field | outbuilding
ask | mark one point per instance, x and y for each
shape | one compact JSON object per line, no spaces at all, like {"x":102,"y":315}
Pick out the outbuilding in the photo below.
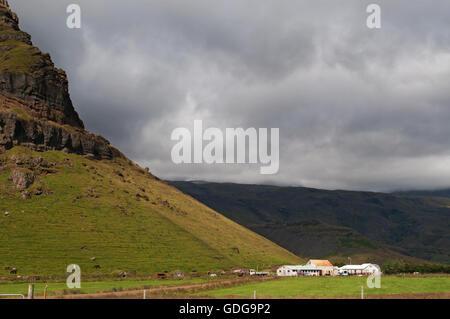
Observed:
{"x":359,"y":270}
{"x":325,"y":266}
{"x":295,"y":271}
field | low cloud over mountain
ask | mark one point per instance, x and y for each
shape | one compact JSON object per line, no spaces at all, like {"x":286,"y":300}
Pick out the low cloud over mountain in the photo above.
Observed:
{"x":357,"y":108}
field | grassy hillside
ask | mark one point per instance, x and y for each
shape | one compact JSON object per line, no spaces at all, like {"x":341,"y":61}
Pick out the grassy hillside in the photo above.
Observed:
{"x":118,"y":213}
{"x":335,"y":224}
{"x":107,"y":216}
{"x":16,"y":56}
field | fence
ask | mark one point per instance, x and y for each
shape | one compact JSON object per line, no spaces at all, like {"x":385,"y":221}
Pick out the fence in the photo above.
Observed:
{"x":30,"y":293}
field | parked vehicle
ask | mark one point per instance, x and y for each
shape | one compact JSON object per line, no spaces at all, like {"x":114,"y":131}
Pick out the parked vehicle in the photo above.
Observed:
{"x":253,"y":272}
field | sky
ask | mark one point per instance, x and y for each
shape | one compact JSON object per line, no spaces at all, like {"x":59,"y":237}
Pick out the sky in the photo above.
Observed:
{"x":356,"y":108}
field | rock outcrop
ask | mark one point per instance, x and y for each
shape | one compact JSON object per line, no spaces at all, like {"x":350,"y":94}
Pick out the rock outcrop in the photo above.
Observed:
{"x":29,"y":74}
{"x":22,"y":179}
{"x":42,"y":135}
{"x":35,"y":106}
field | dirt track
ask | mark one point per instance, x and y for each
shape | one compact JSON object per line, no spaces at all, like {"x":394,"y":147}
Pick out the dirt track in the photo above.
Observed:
{"x":160,"y":292}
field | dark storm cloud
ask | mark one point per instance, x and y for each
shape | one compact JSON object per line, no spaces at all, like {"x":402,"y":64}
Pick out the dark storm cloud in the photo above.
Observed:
{"x":356,"y":108}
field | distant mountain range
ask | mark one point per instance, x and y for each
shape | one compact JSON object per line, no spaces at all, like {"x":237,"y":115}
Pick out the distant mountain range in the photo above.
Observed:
{"x":434,"y":193}
{"x":365,"y":226}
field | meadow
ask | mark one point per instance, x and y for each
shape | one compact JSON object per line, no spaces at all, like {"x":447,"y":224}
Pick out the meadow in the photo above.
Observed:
{"x":323,"y":287}
{"x":59,"y":288}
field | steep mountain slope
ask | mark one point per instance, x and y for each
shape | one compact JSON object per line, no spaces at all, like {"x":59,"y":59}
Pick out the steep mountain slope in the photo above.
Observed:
{"x":67,"y":196}
{"x":312,"y":222}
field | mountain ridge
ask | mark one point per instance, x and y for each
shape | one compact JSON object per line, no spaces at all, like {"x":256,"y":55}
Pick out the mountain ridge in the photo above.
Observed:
{"x":443,"y":192}
{"x":35,"y":105}
{"x":29,"y":74}
{"x":296,"y":218}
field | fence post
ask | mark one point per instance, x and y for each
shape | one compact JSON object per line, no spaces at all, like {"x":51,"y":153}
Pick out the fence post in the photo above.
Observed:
{"x":145,"y":294}
{"x":30,"y":291}
{"x":362,"y":292}
{"x":254,"y":294}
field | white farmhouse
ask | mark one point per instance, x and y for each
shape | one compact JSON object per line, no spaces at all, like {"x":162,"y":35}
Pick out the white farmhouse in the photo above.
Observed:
{"x":363,"y":270}
{"x":295,"y":271}
{"x":314,"y":267}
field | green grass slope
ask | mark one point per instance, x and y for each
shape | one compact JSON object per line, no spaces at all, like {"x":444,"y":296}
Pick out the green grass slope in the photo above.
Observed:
{"x":17,"y":54}
{"x":18,"y":57}
{"x":118,"y":213}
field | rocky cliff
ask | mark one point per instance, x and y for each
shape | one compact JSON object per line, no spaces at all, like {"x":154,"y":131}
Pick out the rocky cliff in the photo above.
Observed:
{"x":35,"y":105}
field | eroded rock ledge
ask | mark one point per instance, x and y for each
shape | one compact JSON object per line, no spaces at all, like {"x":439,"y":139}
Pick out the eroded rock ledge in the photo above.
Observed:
{"x":43,"y":136}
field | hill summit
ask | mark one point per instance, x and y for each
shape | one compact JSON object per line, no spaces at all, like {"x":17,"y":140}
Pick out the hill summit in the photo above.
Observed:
{"x":69,"y":197}
{"x":35,"y":105}
{"x":4,"y":3}
{"x":29,"y":74}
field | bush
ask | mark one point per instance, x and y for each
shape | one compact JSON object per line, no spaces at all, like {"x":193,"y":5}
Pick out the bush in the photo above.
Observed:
{"x":399,"y":267}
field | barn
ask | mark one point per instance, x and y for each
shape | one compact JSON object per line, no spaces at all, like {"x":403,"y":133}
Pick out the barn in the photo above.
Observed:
{"x":359,"y":270}
{"x":325,"y":266}
{"x":295,"y":271}
{"x":314,"y":267}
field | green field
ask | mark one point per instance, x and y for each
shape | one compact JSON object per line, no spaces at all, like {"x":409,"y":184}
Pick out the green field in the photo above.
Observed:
{"x":333,"y":287}
{"x":94,"y":286}
{"x":118,"y":213}
{"x":281,"y":288}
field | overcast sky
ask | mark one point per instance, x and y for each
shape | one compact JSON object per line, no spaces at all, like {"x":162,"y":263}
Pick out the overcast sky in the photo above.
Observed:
{"x":357,"y":108}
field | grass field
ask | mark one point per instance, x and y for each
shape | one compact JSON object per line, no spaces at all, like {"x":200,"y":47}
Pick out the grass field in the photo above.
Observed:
{"x":94,"y":286}
{"x":278,"y":288}
{"x":333,"y":287}
{"x":116,"y":212}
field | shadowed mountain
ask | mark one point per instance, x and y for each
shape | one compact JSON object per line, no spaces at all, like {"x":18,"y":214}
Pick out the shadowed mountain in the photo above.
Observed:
{"x":433,"y":193}
{"x":320,"y":223}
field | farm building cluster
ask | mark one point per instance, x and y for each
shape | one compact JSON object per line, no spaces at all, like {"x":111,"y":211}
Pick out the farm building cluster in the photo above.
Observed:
{"x":315,"y":267}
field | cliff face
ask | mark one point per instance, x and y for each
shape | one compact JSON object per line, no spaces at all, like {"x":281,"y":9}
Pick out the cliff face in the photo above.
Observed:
{"x":29,"y":74}
{"x":35,"y":105}
{"x":44,"y":136}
